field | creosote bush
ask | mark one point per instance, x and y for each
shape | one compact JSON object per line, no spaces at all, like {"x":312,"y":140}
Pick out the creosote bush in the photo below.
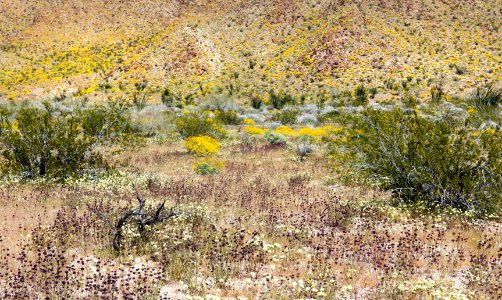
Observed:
{"x":109,"y":122}
{"x":279,"y":100}
{"x":431,"y":162}
{"x":46,"y":142}
{"x":197,"y":124}
{"x":286,"y":117}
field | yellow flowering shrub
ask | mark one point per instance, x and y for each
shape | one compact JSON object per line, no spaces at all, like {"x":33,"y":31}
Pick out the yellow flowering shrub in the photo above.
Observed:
{"x":202,"y":145}
{"x":248,"y":121}
{"x":285,"y":130}
{"x":254,"y":130}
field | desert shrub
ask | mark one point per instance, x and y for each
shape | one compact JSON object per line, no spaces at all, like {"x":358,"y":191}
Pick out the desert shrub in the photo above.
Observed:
{"x":228,"y":117}
{"x":285,"y":131}
{"x":167,"y":98}
{"x":278,"y":101}
{"x":109,"y":122}
{"x":437,"y":93}
{"x":431,"y":162}
{"x":285,"y":117}
{"x":202,"y":145}
{"x":304,"y":147}
{"x":46,"y":143}
{"x":486,"y":97}
{"x":205,"y":169}
{"x":275,"y":138}
{"x":373,"y":91}
{"x":360,"y":95}
{"x":256,"y":102}
{"x":219,"y":103}
{"x":409,"y":100}
{"x":197,"y":124}
{"x":254,"y":130}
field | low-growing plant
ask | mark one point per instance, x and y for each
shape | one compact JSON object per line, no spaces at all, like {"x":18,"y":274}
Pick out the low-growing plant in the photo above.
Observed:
{"x":275,"y":138}
{"x":437,"y":93}
{"x":304,"y":147}
{"x":108,"y":122}
{"x":205,"y":169}
{"x":168,"y":98}
{"x":202,"y":145}
{"x":256,"y":102}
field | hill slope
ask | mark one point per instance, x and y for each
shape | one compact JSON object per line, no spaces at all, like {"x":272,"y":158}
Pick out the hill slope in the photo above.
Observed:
{"x":95,"y":47}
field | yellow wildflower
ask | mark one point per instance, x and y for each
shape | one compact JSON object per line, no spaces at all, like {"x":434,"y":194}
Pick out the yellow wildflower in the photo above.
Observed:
{"x":254,"y":130}
{"x":202,"y":145}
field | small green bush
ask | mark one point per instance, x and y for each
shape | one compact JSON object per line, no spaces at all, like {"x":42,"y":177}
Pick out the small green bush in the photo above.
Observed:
{"x":285,"y":117}
{"x":206,"y":169}
{"x":437,"y":93}
{"x":168,"y":98}
{"x":197,"y":124}
{"x":486,"y":97}
{"x":109,"y":122}
{"x":276,"y":139}
{"x":46,"y":143}
{"x":431,"y":162}
{"x":278,"y":101}
{"x":228,"y":117}
{"x":360,"y":96}
{"x":256,"y":102}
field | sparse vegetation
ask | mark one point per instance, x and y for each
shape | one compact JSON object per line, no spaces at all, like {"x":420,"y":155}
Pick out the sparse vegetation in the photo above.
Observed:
{"x":162,"y":149}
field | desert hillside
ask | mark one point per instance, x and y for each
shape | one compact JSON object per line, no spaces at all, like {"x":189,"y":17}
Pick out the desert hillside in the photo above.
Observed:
{"x":250,"y":149}
{"x":78,"y":47}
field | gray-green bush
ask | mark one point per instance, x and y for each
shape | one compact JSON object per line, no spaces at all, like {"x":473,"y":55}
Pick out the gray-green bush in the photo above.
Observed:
{"x":431,"y":162}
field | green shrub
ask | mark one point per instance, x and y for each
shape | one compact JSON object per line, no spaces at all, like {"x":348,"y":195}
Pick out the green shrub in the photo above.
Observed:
{"x":205,"y":169}
{"x":285,"y":117}
{"x":228,"y":117}
{"x":437,"y":93}
{"x":256,"y":102}
{"x":431,"y":162}
{"x":276,"y":139}
{"x":167,"y":98}
{"x":197,"y":124}
{"x":487,"y":97}
{"x":278,"y":101}
{"x":46,"y":143}
{"x":109,"y":122}
{"x":360,"y":96}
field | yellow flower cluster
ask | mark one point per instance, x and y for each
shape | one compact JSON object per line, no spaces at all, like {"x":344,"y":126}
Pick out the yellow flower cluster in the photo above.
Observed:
{"x":315,"y":133}
{"x":248,"y":121}
{"x":202,"y":145}
{"x":254,"y":130}
{"x":285,"y":130}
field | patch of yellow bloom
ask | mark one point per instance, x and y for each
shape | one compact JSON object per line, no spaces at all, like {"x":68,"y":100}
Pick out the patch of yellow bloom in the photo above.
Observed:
{"x":248,"y":121}
{"x":254,"y":130}
{"x":202,"y":145}
{"x":285,"y":130}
